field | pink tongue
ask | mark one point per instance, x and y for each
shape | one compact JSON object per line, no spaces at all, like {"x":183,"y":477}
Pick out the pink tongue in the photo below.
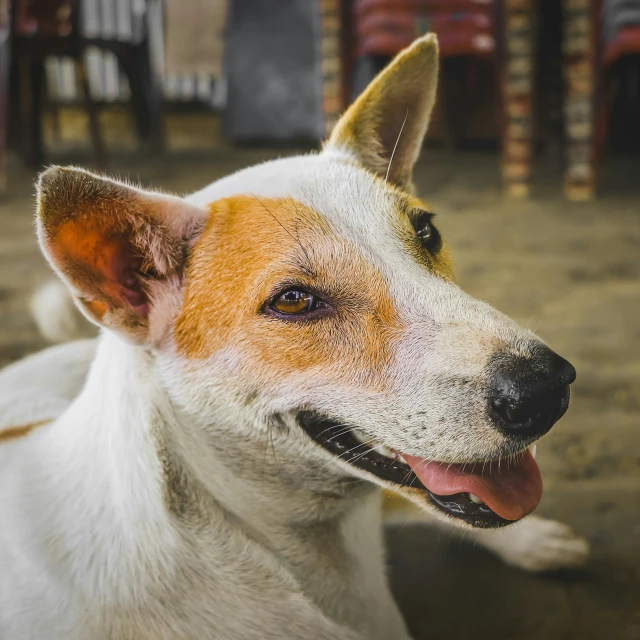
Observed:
{"x":512,"y":490}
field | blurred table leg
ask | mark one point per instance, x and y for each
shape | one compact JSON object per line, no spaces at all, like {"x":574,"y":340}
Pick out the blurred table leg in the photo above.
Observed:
{"x":579,"y":72}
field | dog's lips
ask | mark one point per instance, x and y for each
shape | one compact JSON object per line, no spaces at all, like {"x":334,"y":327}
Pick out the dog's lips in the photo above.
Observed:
{"x":512,"y":489}
{"x":487,"y":495}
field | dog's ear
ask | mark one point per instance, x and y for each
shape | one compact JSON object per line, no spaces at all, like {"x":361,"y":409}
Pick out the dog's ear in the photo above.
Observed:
{"x":385,"y":127}
{"x":114,"y":245}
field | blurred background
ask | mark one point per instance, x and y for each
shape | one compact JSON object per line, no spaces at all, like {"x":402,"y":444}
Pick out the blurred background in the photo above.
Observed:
{"x":532,"y":164}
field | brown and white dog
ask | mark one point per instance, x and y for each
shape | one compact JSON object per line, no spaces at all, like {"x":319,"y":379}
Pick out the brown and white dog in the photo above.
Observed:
{"x":278,"y":348}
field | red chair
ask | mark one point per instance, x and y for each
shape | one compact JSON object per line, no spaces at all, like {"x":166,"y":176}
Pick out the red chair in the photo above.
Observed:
{"x":464,"y":27}
{"x":381,"y":28}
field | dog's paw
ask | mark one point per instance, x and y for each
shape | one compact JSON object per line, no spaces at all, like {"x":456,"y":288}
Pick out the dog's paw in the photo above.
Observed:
{"x":541,"y":545}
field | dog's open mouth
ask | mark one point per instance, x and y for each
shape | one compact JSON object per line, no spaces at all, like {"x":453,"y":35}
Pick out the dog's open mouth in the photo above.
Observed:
{"x":483,"y":495}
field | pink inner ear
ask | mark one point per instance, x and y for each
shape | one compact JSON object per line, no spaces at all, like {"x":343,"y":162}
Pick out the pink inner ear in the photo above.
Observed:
{"x":109,"y":263}
{"x":124,"y":271}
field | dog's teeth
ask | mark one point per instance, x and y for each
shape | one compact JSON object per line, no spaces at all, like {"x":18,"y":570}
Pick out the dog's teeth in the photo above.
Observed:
{"x":533,"y":448}
{"x":385,"y":451}
{"x":363,"y":438}
{"x":399,"y":458}
{"x":474,"y":498}
{"x":360,"y":436}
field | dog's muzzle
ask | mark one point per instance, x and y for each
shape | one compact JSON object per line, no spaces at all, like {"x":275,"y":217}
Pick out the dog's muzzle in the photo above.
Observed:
{"x":525,"y":398}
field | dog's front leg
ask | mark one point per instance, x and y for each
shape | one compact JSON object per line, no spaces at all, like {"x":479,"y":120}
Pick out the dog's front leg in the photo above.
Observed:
{"x":534,"y":544}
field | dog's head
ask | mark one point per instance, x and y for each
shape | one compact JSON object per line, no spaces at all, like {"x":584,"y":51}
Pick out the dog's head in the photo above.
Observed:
{"x":309,"y":304}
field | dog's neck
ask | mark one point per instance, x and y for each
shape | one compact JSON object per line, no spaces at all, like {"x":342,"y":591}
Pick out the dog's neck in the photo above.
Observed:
{"x":142,"y":476}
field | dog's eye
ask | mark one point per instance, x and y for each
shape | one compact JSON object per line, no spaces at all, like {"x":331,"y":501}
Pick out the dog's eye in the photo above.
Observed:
{"x":426,"y":232}
{"x":294,"y":302}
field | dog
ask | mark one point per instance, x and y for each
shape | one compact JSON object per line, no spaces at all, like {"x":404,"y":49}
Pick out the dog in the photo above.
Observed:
{"x":277,"y":350}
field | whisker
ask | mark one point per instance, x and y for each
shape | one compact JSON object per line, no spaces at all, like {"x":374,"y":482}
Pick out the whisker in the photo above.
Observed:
{"x":344,"y":453}
{"x":360,"y":455}
{"x":393,"y":153}
{"x":336,"y":426}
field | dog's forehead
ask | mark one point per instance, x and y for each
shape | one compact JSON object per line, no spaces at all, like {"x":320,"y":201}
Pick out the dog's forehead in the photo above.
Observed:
{"x":357,"y":205}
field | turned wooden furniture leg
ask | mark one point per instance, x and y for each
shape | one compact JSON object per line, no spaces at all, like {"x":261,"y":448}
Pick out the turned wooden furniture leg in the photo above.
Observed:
{"x":31,"y":79}
{"x":602,"y":117}
{"x":36,"y":149}
{"x":336,"y":90}
{"x":579,"y":72}
{"x":518,"y":95}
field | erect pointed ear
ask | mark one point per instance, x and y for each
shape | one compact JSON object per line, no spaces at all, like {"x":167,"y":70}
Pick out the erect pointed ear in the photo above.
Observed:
{"x":114,"y":245}
{"x":385,"y":127}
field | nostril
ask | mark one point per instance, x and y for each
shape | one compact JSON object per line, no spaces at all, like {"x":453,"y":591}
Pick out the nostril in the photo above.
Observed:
{"x":514,"y":411}
{"x":531,"y":411}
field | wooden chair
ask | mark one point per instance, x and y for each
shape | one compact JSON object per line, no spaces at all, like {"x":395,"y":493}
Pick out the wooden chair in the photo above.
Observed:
{"x":465,"y":28}
{"x":44,"y":28}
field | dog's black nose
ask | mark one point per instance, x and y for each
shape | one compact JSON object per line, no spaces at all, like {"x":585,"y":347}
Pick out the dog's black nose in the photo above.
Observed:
{"x":529,"y":395}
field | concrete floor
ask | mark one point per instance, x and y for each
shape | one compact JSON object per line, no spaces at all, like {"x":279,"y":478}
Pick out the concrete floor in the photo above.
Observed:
{"x":570,"y":272}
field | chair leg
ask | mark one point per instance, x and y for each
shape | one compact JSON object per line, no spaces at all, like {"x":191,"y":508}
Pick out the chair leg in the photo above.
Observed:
{"x":5,"y":52}
{"x":146,"y":94}
{"x":32,"y":85}
{"x":92,"y":113}
{"x":447,"y":118}
{"x":604,"y":103}
{"x":54,"y":113}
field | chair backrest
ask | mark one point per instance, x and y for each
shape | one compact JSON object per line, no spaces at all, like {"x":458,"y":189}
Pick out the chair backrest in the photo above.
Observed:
{"x":45,"y":18}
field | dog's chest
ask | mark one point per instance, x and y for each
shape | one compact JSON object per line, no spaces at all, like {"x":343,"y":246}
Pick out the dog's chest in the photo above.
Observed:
{"x":336,"y":567}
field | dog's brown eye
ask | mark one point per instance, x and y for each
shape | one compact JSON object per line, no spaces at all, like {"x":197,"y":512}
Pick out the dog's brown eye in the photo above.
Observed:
{"x":293,"y":302}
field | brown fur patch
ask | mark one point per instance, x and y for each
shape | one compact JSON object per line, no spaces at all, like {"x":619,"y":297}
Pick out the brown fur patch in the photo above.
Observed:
{"x":12,"y":433}
{"x":250,"y":248}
